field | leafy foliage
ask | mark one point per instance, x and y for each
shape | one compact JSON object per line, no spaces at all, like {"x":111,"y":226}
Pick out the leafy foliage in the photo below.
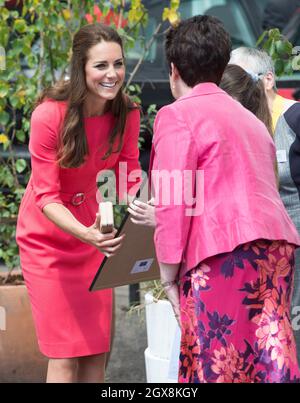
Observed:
{"x":286,"y":59}
{"x":153,"y":287}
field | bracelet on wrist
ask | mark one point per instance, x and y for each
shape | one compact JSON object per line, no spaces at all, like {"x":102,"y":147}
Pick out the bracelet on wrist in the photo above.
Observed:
{"x":167,"y":284}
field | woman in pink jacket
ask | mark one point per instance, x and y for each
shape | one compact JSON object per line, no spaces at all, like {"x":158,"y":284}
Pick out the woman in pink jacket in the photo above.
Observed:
{"x":223,"y":239}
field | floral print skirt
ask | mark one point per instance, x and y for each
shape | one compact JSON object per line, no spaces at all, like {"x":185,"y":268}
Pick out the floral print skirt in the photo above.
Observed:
{"x":235,"y":316}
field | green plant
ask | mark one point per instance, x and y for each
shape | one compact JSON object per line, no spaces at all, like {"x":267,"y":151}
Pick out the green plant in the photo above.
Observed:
{"x":36,"y":42}
{"x":281,"y":50}
{"x":155,"y":289}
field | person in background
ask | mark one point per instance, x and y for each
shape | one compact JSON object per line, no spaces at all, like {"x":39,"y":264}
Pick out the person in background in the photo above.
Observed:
{"x":286,"y":125}
{"x":221,"y":265}
{"x":79,"y":128}
{"x":260,"y":63}
{"x":248,"y":89}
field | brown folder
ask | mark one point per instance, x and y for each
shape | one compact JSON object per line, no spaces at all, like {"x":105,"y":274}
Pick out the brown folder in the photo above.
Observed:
{"x":135,"y":262}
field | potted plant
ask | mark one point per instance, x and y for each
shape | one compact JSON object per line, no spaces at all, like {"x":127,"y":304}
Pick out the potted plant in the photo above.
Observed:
{"x":21,"y":360}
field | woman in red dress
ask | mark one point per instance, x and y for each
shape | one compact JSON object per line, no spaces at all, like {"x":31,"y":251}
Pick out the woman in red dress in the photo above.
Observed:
{"x":79,"y":128}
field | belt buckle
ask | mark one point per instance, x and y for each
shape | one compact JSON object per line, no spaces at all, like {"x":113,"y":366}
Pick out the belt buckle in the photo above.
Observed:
{"x":78,"y":199}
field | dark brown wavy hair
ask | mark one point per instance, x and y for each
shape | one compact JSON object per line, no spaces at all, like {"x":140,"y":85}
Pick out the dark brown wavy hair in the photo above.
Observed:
{"x":249,"y":91}
{"x":73,"y":146}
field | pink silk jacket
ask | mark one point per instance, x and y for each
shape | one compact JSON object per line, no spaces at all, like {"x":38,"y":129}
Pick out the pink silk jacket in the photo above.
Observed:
{"x":235,"y":194}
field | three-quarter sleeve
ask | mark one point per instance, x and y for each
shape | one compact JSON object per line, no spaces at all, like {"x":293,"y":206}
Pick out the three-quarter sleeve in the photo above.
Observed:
{"x":128,"y":170}
{"x":45,"y":123}
{"x":173,"y":181}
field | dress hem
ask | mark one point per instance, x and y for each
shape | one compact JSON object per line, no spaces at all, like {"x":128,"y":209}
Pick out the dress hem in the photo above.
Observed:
{"x":79,"y":350}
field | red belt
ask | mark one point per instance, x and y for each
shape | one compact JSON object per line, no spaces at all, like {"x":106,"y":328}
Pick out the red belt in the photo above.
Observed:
{"x":76,"y":199}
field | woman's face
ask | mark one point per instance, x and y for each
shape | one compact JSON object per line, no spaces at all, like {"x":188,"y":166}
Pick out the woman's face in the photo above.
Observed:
{"x":105,"y":70}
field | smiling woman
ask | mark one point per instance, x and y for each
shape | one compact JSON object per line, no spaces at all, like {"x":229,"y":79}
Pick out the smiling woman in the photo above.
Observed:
{"x":78,"y":128}
{"x":105,"y":73}
{"x":97,"y":54}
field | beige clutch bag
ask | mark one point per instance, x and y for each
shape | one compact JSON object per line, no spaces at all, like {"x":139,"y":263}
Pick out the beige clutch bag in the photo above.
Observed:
{"x":106,"y":217}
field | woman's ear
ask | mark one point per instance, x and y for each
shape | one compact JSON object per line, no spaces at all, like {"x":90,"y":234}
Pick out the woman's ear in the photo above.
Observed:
{"x":269,"y":81}
{"x":174,"y":72}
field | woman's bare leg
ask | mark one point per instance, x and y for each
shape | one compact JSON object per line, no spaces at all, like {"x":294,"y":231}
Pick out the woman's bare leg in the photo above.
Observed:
{"x":91,"y":369}
{"x":113,"y":328}
{"x":62,"y":370}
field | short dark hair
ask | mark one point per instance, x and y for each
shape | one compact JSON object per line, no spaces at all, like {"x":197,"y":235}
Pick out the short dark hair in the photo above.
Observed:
{"x":200,"y":49}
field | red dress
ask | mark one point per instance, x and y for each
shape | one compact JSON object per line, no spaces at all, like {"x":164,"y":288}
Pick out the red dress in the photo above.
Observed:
{"x":58,"y":268}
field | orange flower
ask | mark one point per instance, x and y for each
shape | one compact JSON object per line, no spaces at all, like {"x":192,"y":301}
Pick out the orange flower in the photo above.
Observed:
{"x":283,"y":248}
{"x":274,"y":246}
{"x":275,"y":294}
{"x":228,"y":365}
{"x":282,"y":269}
{"x":290,"y":249}
{"x":199,"y":277}
{"x":197,"y":367}
{"x":266,"y":266}
{"x":275,"y":333}
{"x":188,"y":318}
{"x":261,"y":293}
{"x":252,"y":246}
{"x":273,"y":268}
{"x":268,"y":324}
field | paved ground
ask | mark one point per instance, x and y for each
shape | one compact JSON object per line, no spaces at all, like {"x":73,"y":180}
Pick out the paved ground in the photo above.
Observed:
{"x":127,"y":362}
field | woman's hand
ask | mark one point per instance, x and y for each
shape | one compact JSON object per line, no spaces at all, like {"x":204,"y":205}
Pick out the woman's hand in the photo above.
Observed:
{"x":143,"y":213}
{"x":105,"y":243}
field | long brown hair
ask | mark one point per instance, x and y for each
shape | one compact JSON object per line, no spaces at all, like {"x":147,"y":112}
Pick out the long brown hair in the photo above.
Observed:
{"x":73,"y":147}
{"x":249,"y":91}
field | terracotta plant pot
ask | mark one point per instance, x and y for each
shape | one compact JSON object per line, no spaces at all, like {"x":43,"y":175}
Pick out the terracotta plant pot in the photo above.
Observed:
{"x":20,"y":359}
